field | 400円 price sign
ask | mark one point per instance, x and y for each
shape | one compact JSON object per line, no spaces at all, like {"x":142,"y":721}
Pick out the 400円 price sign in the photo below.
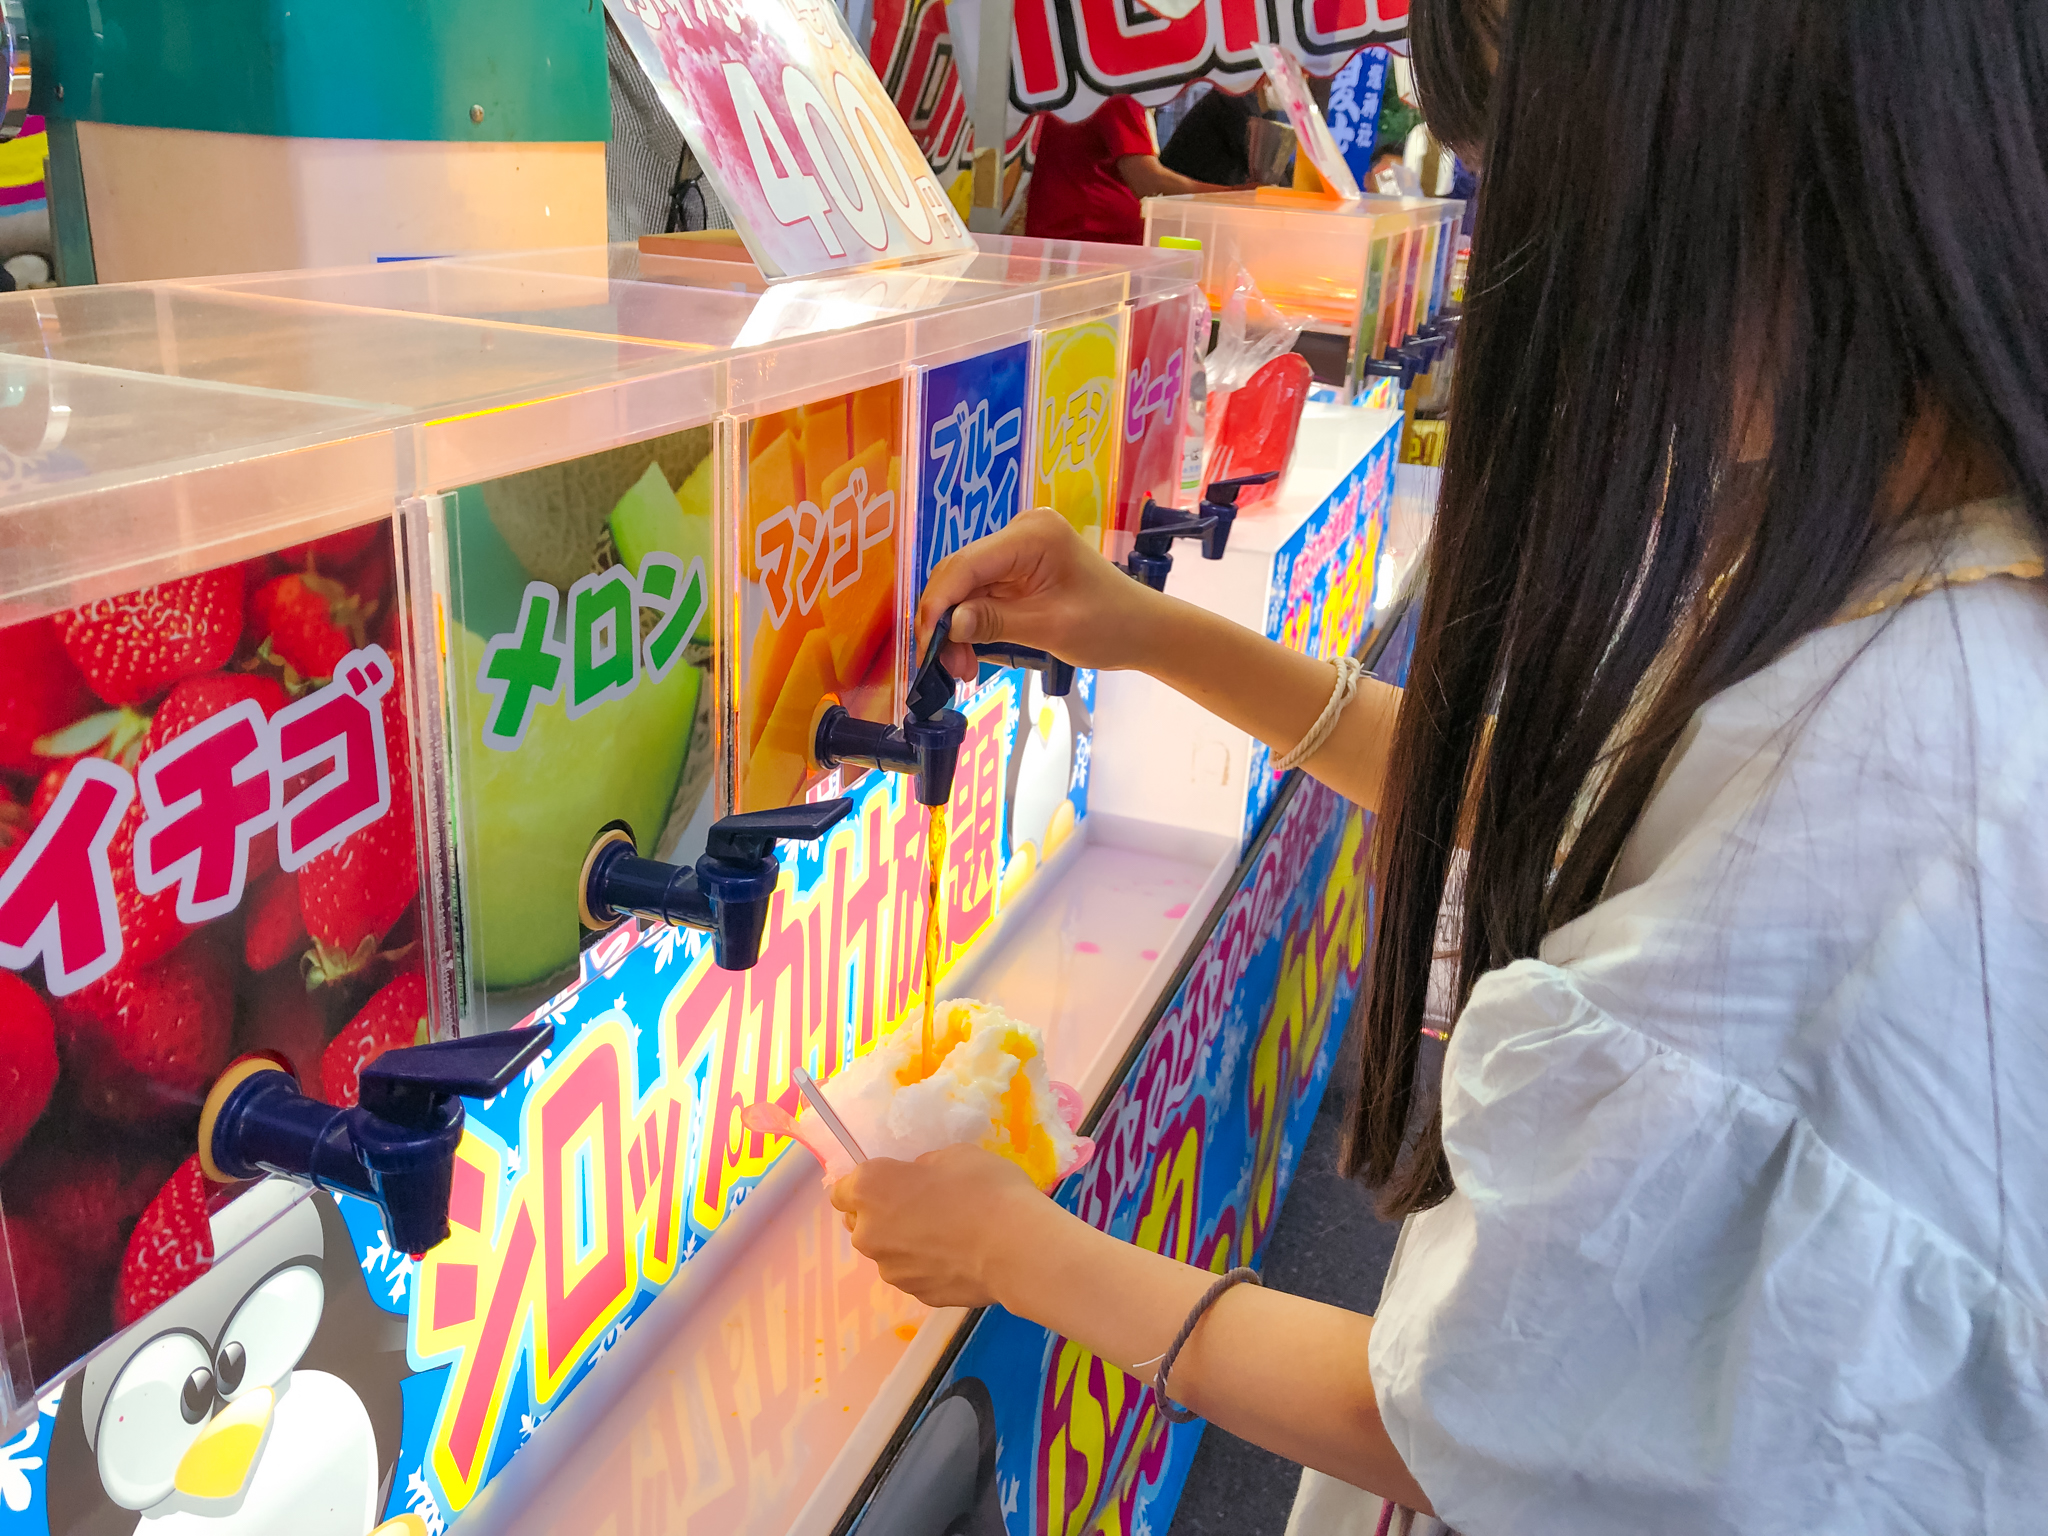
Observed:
{"x":799,"y":139}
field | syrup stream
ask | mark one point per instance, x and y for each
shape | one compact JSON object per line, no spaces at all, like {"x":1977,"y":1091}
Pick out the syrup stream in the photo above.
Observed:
{"x":935,"y":868}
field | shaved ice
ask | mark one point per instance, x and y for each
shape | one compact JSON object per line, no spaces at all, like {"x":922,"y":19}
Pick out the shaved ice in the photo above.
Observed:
{"x":988,"y":1087}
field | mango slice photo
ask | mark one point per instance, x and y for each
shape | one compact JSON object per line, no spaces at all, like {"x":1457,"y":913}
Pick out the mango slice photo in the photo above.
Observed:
{"x":821,"y":603}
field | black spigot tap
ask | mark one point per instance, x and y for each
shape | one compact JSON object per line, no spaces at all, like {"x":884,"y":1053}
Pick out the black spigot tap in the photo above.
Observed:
{"x":926,"y":745}
{"x":1402,"y":363}
{"x":1418,"y":354}
{"x":1058,"y":675}
{"x":1439,"y":333}
{"x":396,"y":1146}
{"x":726,"y":893}
{"x":1151,"y":557}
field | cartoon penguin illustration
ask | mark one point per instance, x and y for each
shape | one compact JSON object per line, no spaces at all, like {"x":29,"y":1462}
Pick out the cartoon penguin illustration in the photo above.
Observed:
{"x":264,"y":1397}
{"x":1040,"y":816}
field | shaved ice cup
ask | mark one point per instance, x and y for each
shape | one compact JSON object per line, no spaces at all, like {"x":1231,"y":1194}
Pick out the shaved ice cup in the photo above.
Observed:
{"x":989,"y":1088}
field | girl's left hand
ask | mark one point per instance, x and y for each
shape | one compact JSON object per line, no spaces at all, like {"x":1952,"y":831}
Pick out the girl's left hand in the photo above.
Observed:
{"x":941,"y":1228}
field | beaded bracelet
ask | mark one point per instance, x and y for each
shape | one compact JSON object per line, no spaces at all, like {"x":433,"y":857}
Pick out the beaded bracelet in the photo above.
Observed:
{"x":1350,"y":672}
{"x":1176,"y":1414}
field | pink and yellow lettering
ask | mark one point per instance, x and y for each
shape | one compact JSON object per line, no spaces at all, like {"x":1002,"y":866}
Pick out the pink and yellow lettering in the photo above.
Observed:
{"x":583,"y":1206}
{"x":729,"y":1056}
{"x":723,"y":1423}
{"x":607,"y":1188}
{"x":1085,"y":1397}
{"x":475,"y":1294}
{"x":660,"y":1153}
{"x":1166,"y":1223}
{"x":864,"y":931}
{"x":975,"y":852}
{"x":1102,"y":1445}
{"x":1317,"y":957}
{"x":1097,"y":1423}
{"x":1347,"y":608}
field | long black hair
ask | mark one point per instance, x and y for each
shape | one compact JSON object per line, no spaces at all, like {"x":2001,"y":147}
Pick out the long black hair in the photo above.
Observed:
{"x":1729,"y":255}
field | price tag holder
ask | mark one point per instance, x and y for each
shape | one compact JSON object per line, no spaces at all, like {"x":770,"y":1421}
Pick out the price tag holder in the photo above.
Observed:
{"x":800,"y":141}
{"x":1311,"y":131}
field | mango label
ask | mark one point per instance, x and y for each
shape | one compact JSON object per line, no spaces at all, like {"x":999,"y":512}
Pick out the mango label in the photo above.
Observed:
{"x":820,"y":599}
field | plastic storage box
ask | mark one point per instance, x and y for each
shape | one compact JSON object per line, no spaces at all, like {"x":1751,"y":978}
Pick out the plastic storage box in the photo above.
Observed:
{"x":1376,"y":269}
{"x":339,"y":610}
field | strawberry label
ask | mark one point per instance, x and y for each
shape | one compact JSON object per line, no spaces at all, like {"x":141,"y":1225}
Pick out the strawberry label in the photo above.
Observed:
{"x":339,"y":725}
{"x":603,"y":658}
{"x":206,"y":794}
{"x":207,"y":849}
{"x":57,"y":897}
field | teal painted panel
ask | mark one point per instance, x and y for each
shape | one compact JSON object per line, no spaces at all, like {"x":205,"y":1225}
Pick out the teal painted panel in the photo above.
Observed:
{"x":340,"y":69}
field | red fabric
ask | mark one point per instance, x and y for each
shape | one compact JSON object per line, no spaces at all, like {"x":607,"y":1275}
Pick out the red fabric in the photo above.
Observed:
{"x":1076,"y":193}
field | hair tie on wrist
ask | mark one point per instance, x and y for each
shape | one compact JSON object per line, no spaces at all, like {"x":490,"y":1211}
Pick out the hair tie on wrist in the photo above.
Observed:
{"x":1176,"y":1414}
{"x":1350,"y":673}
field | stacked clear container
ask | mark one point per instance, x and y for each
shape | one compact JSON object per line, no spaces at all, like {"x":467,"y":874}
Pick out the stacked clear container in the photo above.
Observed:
{"x":1375,"y":269}
{"x":339,"y":610}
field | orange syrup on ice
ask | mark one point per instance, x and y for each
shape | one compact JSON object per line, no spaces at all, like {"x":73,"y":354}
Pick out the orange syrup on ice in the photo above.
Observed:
{"x":935,"y":869}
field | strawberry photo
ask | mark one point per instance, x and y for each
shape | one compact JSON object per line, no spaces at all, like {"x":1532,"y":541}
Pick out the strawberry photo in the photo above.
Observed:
{"x":151,"y":928}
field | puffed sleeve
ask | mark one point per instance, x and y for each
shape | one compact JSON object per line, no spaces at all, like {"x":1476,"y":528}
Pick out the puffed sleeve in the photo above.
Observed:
{"x":1659,"y":1303}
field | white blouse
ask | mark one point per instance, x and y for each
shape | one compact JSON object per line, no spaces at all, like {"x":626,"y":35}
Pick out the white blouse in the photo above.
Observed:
{"x":1751,"y":1223}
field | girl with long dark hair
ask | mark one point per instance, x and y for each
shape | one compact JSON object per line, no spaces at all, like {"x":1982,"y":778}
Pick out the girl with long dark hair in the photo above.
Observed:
{"x":1720,"y":764}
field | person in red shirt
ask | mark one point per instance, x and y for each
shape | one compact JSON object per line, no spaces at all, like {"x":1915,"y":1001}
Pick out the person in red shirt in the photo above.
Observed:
{"x":1087,"y":177}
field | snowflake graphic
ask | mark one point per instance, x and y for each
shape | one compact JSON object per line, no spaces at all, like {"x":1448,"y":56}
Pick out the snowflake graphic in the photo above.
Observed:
{"x":513,"y":1163}
{"x":665,"y":940}
{"x":609,"y":1339}
{"x":382,"y":1260}
{"x":529,"y":1422}
{"x":15,"y":1466}
{"x":420,"y":1500}
{"x":1010,"y":1492}
{"x":538,"y":1068}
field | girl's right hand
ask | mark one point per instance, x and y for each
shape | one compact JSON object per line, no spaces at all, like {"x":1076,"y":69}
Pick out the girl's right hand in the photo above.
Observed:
{"x":1038,"y":583}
